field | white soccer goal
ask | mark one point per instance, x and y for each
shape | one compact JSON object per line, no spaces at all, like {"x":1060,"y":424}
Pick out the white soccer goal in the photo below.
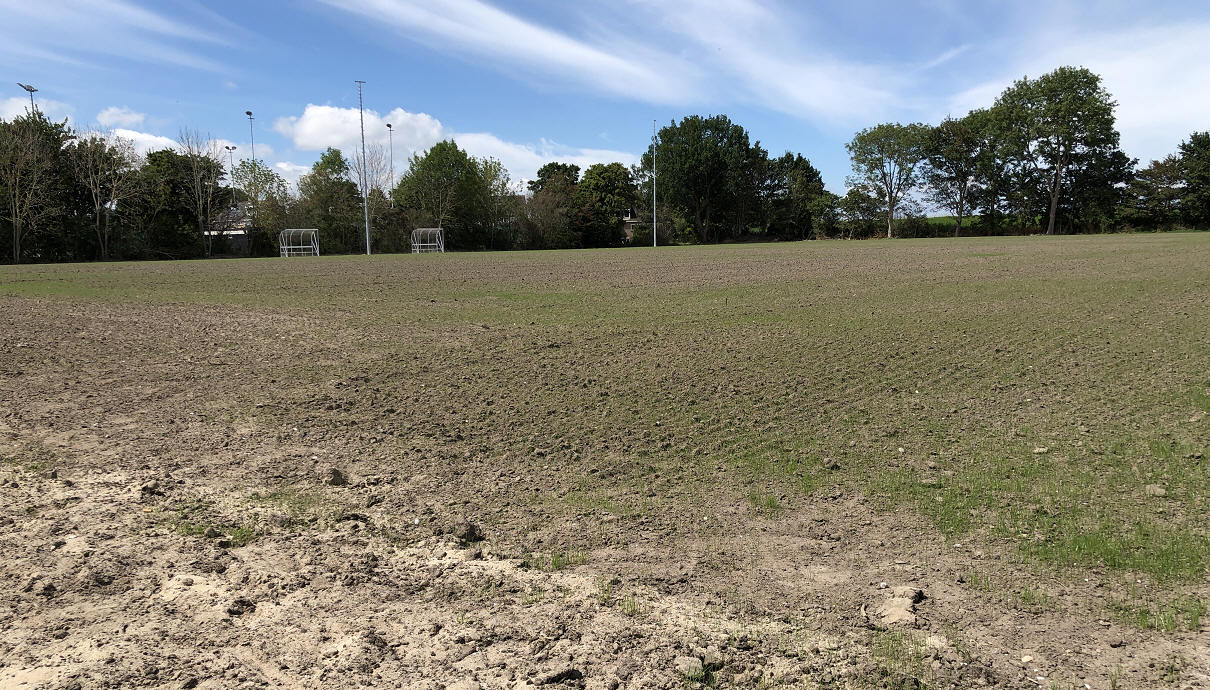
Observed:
{"x":425,"y":240}
{"x":299,"y":242}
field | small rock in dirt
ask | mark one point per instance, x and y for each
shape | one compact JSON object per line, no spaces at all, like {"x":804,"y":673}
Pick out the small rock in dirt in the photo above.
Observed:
{"x":211,"y":533}
{"x":333,"y":477}
{"x":689,"y":667}
{"x":241,"y":606}
{"x":830,"y":464}
{"x":1156,"y":490}
{"x":897,"y":610}
{"x":1026,"y":659}
{"x":151,"y":488}
{"x":1041,"y":450}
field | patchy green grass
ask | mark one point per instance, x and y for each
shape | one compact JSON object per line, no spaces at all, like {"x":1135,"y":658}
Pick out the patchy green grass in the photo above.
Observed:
{"x":763,"y":502}
{"x":299,"y":508}
{"x":553,"y":562}
{"x":901,"y":660}
{"x":1050,"y":392}
{"x":1167,"y":616}
{"x":195,"y":519}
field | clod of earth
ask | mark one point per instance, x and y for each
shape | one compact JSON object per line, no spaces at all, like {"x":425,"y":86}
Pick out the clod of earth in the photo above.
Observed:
{"x":1156,"y":490}
{"x":689,"y":667}
{"x":334,"y":477}
{"x":467,"y":532}
{"x":897,"y":610}
{"x":241,"y":606}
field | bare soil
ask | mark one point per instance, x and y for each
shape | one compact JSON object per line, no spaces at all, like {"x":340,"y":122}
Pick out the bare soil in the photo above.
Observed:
{"x":592,"y":469}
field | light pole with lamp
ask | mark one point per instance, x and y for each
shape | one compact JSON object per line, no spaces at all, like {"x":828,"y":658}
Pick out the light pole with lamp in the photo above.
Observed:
{"x":391,"y":136}
{"x":251,"y":133}
{"x":231,"y":162}
{"x":31,"y":91}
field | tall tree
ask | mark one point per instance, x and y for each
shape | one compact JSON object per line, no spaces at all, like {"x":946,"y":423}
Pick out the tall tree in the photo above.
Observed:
{"x":700,"y":164}
{"x":201,"y":184}
{"x":1195,"y":174}
{"x":1057,"y":119}
{"x":601,"y":199}
{"x":1153,"y":197}
{"x":885,"y":158}
{"x":566,"y":172}
{"x":107,"y":166}
{"x":436,"y":181}
{"x":329,"y":200}
{"x":794,"y":200}
{"x":30,"y":166}
{"x":952,"y":155}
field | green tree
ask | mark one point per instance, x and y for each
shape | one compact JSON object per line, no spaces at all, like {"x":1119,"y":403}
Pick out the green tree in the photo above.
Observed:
{"x":162,"y":220}
{"x":1195,"y":174}
{"x":700,"y":168}
{"x":1058,"y":123}
{"x":795,"y":204}
{"x":567,"y":172}
{"x":31,"y":174}
{"x":951,"y":152}
{"x":267,"y":199}
{"x":438,"y":181}
{"x":860,"y":210}
{"x":107,"y":168}
{"x":600,"y":201}
{"x":885,"y":158}
{"x":1153,"y":197}
{"x":547,"y":218}
{"x":329,"y":201}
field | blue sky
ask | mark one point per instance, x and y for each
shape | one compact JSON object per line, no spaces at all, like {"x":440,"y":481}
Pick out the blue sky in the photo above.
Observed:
{"x":529,"y":82}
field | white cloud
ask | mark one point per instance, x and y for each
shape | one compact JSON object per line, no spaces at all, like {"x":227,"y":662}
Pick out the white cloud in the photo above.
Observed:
{"x":321,"y":126}
{"x":290,"y":172}
{"x":17,"y":106}
{"x":143,"y":142}
{"x":113,"y":116}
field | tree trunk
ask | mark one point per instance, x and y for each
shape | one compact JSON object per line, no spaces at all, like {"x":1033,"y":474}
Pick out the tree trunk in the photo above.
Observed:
{"x":100,"y":234}
{"x":890,"y":219}
{"x":961,"y":209}
{"x":16,"y":241}
{"x":1054,"y":199}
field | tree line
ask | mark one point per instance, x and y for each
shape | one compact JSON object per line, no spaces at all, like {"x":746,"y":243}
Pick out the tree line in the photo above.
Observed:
{"x":1044,"y":157}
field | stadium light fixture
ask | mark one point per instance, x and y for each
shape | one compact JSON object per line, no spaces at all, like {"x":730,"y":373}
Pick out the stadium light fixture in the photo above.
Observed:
{"x":31,"y":90}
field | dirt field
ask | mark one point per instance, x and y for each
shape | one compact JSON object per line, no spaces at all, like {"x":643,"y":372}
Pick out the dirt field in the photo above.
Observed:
{"x":942,"y":464}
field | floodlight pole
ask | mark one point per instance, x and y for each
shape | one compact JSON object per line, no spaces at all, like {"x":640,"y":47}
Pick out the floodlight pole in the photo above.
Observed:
{"x":31,"y":90}
{"x":231,"y":162}
{"x":365,"y":191}
{"x":391,"y":136}
{"x":653,"y":240}
{"x":251,"y":134}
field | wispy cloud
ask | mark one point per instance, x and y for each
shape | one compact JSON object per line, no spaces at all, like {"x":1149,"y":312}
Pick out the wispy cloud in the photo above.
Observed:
{"x":79,"y":31}
{"x":475,"y":29}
